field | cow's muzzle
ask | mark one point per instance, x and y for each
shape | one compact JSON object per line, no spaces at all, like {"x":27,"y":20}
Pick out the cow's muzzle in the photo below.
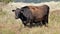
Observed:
{"x":16,"y":17}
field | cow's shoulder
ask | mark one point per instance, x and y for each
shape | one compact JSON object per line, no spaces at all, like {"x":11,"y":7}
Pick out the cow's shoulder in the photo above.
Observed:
{"x":25,"y":7}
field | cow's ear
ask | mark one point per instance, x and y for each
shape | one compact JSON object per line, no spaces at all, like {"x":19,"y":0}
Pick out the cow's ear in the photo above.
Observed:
{"x":13,"y":10}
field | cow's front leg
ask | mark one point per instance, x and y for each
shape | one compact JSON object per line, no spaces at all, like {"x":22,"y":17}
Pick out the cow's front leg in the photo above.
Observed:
{"x":25,"y":23}
{"x":31,"y":23}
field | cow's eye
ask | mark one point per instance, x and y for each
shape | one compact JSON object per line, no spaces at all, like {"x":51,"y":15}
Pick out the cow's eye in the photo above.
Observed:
{"x":13,"y":10}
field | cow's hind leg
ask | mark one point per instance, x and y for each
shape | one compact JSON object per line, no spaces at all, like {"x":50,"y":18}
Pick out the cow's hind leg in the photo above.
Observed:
{"x":45,"y":21}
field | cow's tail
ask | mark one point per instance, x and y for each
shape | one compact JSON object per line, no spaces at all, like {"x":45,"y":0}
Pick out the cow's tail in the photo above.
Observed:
{"x":48,"y":9}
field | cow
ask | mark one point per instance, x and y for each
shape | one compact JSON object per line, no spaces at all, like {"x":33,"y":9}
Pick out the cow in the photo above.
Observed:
{"x":33,"y":14}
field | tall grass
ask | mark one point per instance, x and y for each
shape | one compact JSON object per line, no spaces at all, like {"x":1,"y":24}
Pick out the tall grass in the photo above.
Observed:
{"x":9,"y":25}
{"x":5,"y":1}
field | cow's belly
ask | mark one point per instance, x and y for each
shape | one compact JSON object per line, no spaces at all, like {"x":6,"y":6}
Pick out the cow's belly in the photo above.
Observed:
{"x":38,"y":19}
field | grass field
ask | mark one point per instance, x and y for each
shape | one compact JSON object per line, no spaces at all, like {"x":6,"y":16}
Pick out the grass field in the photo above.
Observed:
{"x":9,"y":25}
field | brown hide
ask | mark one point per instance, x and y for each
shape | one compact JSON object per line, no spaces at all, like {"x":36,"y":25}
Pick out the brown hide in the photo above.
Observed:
{"x":39,"y":12}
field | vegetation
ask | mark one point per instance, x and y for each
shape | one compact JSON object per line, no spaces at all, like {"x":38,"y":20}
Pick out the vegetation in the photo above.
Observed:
{"x":5,"y":1}
{"x":9,"y":25}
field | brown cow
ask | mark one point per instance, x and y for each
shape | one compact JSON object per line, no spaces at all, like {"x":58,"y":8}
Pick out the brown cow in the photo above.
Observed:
{"x":33,"y":14}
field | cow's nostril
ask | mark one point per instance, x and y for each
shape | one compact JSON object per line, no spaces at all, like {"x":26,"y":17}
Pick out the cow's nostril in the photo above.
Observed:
{"x":16,"y":17}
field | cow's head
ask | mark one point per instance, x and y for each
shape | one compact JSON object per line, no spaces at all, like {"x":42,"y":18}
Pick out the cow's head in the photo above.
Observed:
{"x":17,"y":13}
{"x":20,"y":13}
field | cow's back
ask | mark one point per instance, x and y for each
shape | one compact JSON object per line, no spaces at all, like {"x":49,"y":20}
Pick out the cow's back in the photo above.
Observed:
{"x":39,"y":12}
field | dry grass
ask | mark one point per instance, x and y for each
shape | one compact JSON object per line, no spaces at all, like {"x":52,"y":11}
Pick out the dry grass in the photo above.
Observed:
{"x":9,"y":25}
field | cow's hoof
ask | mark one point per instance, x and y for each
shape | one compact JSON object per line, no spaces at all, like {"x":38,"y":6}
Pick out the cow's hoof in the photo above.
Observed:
{"x":46,"y":25}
